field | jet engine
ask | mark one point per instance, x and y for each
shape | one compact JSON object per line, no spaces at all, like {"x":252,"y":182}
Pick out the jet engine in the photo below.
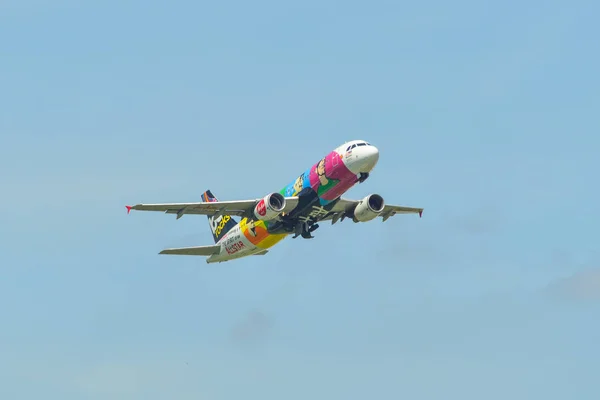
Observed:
{"x":269,"y":206}
{"x":368,"y":208}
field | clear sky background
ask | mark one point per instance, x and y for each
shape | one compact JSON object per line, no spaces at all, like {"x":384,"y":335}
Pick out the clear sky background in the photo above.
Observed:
{"x":486,"y":114}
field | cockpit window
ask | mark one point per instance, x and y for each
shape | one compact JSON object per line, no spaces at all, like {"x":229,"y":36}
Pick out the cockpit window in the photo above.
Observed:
{"x":353,"y":146}
{"x":361,"y":144}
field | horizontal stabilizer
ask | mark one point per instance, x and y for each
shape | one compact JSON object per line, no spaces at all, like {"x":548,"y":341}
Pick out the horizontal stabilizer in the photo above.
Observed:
{"x":193,"y":251}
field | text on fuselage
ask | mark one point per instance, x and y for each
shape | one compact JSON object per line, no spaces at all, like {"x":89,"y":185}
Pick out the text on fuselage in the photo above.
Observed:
{"x":234,"y":248}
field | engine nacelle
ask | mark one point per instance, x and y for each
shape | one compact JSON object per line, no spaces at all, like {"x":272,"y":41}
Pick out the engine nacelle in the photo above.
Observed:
{"x":269,"y":207}
{"x":368,"y":208}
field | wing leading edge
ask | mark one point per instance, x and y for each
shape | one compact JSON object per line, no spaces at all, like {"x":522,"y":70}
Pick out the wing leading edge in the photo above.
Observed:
{"x":238,"y":208}
{"x":344,"y":205}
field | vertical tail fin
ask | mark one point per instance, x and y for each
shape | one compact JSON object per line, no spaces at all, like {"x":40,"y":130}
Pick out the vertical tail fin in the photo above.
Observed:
{"x":219,"y":225}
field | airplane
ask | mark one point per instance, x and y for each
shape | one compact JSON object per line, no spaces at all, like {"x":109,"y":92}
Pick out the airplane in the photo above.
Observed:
{"x":297,"y":209}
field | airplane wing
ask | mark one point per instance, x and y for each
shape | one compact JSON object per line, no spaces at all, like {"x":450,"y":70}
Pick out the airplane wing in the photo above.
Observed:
{"x":235,"y":207}
{"x":193,"y":251}
{"x":344,"y":205}
{"x":391,"y":210}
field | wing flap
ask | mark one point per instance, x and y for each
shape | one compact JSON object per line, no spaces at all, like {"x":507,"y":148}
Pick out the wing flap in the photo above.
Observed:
{"x":193,"y":251}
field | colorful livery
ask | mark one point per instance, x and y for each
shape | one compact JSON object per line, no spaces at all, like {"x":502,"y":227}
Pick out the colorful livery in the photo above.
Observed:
{"x":313,"y":197}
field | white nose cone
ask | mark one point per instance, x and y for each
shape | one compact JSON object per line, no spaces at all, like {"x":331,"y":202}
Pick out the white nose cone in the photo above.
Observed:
{"x":370,"y":158}
{"x":363,"y":159}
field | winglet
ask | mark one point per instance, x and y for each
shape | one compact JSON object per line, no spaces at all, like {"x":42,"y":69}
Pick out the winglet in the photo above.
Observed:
{"x":420,"y":213}
{"x":128,"y":209}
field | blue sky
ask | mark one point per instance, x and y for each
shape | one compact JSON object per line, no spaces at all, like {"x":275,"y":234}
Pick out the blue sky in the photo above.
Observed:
{"x":486,"y":114}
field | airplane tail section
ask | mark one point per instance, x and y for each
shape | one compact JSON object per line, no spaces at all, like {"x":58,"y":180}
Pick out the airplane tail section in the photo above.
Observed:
{"x":219,"y":224}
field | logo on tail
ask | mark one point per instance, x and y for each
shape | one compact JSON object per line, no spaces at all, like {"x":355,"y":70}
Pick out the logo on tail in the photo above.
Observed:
{"x":219,"y":225}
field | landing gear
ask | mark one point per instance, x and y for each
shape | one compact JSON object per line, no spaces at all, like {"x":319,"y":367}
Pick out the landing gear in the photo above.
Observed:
{"x":304,"y":228}
{"x":363,"y":177}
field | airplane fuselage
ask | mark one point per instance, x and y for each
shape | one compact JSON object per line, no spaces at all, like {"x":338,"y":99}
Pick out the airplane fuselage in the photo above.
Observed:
{"x":317,"y":188}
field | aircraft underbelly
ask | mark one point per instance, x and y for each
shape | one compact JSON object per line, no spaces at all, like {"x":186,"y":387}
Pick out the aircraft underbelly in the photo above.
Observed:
{"x":247,"y":238}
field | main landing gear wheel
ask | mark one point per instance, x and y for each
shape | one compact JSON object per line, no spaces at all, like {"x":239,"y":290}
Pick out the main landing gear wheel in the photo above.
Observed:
{"x":304,"y":229}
